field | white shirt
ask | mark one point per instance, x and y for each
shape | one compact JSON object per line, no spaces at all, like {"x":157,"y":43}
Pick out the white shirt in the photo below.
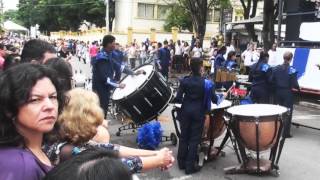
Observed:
{"x":178,"y":50}
{"x":229,"y":48}
{"x":132,"y":52}
{"x":247,"y":55}
{"x":255,"y":57}
{"x":272,"y":58}
{"x":197,"y":52}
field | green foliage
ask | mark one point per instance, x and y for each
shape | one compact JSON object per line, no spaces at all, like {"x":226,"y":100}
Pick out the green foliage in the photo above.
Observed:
{"x":53,"y":15}
{"x":178,"y":17}
{"x":11,"y":15}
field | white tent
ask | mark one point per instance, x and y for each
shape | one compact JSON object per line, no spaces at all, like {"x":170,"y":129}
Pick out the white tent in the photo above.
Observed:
{"x":11,"y":26}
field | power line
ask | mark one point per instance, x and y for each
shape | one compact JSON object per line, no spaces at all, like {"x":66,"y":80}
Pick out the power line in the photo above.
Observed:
{"x":67,"y":4}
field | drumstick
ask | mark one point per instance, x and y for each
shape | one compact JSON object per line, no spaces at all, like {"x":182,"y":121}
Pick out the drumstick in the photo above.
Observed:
{"x":233,"y":85}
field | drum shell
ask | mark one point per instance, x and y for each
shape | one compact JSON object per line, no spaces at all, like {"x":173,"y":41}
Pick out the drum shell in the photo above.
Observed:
{"x":147,"y":100}
{"x":218,"y":123}
{"x":268,"y":131}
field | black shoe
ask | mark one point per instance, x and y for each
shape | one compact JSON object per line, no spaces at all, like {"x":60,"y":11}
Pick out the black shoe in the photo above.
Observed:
{"x":195,"y":169}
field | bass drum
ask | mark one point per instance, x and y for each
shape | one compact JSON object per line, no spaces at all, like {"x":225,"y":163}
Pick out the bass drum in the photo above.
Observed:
{"x":145,"y":96}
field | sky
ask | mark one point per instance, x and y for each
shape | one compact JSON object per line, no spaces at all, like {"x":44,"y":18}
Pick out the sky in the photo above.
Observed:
{"x":10,"y":4}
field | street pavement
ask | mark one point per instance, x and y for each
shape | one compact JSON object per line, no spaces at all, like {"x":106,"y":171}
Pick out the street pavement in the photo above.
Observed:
{"x":300,"y":159}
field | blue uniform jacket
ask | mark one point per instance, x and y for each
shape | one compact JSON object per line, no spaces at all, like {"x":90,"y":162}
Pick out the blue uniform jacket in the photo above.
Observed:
{"x":284,"y":77}
{"x":196,"y":93}
{"x":104,"y":69}
{"x":260,"y":74}
{"x":164,"y":57}
{"x":230,"y":64}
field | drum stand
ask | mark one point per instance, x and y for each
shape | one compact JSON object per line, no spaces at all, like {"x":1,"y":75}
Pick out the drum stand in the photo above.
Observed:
{"x":257,"y":166}
{"x":132,"y":126}
{"x":205,"y":154}
{"x":228,"y":135}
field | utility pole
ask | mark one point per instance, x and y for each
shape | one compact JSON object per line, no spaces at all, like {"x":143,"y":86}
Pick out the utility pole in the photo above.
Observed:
{"x":106,"y":2}
{"x":1,"y":14}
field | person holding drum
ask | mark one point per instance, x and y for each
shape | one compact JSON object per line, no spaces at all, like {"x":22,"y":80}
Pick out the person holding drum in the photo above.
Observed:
{"x":218,"y":64}
{"x":259,"y":75}
{"x":230,"y":65}
{"x":195,"y":93}
{"x":284,"y":78}
{"x":104,"y":68}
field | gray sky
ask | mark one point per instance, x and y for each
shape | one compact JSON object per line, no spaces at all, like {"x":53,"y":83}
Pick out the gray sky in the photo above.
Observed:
{"x":10,"y":4}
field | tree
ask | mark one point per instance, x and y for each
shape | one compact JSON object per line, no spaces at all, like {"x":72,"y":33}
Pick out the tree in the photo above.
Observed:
{"x":178,"y":17}
{"x":270,"y":12}
{"x":198,"y":11}
{"x":53,"y":15}
{"x":249,"y":11}
{"x":11,"y":15}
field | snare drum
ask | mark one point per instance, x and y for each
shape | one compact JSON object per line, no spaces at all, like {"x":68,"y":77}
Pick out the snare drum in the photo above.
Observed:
{"x":257,"y":125}
{"x":144,"y":97}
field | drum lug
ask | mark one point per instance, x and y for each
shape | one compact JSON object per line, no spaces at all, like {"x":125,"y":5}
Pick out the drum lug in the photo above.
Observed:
{"x":137,"y":110}
{"x":158,"y":91}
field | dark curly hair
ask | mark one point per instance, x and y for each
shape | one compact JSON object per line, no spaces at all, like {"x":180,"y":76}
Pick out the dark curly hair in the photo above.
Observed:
{"x":16,"y":84}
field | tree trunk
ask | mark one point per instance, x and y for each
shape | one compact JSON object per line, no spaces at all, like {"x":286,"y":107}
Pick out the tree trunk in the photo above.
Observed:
{"x":199,"y":17}
{"x":247,"y":8}
{"x":251,"y":31}
{"x":268,"y":24}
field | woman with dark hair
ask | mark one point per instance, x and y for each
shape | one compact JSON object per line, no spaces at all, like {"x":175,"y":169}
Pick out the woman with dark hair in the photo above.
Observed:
{"x":30,"y":101}
{"x":196,"y":94}
{"x":91,"y":165}
{"x":259,"y":75}
{"x":230,"y":66}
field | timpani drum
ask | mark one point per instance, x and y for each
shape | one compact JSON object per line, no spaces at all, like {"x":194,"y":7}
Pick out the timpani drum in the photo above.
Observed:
{"x":257,"y":125}
{"x":217,"y":120}
{"x":145,"y":96}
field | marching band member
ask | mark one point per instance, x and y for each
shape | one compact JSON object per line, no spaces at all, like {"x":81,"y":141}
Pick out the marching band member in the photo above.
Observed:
{"x":230,"y":64}
{"x":104,"y":70}
{"x":218,"y":63}
{"x":259,"y":75}
{"x":284,"y":78}
{"x":195,"y":93}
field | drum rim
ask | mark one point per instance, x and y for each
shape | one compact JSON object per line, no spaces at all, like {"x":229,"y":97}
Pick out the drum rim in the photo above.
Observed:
{"x":268,"y":115}
{"x":176,"y":105}
{"x":140,"y":87}
{"x":237,"y":118}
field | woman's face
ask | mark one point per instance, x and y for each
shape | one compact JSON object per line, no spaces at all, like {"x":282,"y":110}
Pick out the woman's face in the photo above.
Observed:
{"x":233,"y":57}
{"x":202,"y":70}
{"x":40,"y":112}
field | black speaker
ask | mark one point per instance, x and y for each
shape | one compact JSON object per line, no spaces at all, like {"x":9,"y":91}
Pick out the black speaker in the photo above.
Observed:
{"x":293,"y":22}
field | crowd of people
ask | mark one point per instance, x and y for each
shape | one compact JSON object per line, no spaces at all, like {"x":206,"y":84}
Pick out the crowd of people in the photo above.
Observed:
{"x":36,"y":109}
{"x":52,"y":131}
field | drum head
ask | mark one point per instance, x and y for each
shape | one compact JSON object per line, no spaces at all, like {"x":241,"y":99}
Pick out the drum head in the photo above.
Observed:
{"x":132,"y":83}
{"x":222,"y":105}
{"x":257,"y":110}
